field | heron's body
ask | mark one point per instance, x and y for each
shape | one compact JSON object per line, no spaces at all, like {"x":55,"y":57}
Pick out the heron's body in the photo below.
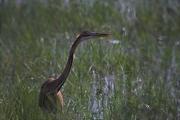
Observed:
{"x":50,"y":93}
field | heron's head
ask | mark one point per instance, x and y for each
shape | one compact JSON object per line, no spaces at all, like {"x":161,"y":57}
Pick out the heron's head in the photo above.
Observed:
{"x":87,"y":34}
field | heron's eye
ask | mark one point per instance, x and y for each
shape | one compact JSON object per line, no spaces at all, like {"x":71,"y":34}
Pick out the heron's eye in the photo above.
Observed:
{"x":85,"y":33}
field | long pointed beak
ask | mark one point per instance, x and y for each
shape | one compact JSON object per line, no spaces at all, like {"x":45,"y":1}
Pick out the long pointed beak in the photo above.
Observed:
{"x":99,"y":34}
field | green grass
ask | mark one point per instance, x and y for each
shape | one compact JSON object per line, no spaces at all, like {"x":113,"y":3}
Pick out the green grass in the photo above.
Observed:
{"x":34,"y":44}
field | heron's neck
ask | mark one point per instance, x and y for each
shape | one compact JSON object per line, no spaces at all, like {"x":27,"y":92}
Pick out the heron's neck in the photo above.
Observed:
{"x":62,"y":78}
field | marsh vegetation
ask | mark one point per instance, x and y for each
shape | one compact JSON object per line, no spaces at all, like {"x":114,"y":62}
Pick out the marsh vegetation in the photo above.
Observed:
{"x":140,"y":62}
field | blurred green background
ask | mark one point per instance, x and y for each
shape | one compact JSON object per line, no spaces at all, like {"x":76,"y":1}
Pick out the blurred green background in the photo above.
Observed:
{"x":142,"y":56}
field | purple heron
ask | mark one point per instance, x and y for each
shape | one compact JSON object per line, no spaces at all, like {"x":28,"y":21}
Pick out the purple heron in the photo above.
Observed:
{"x":50,"y":94}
